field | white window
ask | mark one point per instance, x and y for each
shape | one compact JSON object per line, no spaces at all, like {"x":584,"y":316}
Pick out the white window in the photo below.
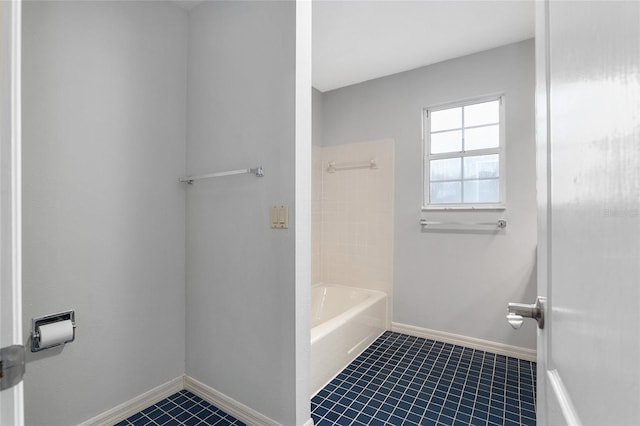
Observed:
{"x":464,"y":158}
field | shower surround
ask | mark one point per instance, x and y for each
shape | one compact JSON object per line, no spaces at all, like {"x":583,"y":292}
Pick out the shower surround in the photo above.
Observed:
{"x":352,"y":217}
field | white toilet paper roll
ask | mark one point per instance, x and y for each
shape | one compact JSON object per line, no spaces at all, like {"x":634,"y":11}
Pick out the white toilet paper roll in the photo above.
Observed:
{"x":55,"y":333}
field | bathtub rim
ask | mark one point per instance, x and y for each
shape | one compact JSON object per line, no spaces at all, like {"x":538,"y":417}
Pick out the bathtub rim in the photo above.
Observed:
{"x":323,"y":329}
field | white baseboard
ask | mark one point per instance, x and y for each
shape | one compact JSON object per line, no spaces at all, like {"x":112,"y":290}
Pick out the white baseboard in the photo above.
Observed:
{"x":131,"y":407}
{"x":230,"y":405}
{"x":155,"y":395}
{"x":227,"y":404}
{"x":470,"y":342}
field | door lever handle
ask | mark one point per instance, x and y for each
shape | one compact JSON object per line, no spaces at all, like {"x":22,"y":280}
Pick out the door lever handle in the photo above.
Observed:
{"x":515,"y":320}
{"x":516,"y":312}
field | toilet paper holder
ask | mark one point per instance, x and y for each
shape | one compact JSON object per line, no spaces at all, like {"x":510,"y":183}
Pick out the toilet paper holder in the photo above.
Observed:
{"x":50,"y":319}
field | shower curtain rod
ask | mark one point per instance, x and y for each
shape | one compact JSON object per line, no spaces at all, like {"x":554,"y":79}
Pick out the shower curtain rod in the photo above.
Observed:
{"x":253,"y":171}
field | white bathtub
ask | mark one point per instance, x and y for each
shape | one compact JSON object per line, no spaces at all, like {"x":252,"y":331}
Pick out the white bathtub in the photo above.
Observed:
{"x":344,"y":322}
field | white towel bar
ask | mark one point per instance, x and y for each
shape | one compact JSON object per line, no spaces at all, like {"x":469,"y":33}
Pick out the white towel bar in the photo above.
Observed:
{"x":254,"y":171}
{"x":500,"y":224}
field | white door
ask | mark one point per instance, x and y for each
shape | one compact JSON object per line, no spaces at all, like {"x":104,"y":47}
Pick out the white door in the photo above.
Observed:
{"x":11,"y":405}
{"x":588,"y":69}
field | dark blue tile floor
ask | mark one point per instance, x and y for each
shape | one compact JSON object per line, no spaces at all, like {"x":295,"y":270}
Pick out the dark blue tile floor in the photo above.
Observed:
{"x":406,"y":380}
{"x":398,"y":380}
{"x":181,"y":408}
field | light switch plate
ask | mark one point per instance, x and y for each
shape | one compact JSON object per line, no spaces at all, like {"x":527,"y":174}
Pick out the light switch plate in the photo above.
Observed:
{"x":280,"y":217}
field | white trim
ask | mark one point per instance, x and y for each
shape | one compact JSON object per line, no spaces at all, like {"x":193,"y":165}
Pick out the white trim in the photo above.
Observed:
{"x":470,"y":342}
{"x":155,"y":395}
{"x":563,"y":399}
{"x":12,"y":401}
{"x":16,"y":168}
{"x":302,"y":192}
{"x":465,"y":101}
{"x":227,"y":404}
{"x":427,"y":156}
{"x":464,"y":154}
{"x":137,"y":404}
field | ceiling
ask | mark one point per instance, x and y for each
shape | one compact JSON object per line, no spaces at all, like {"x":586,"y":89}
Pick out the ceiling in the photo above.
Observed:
{"x":359,"y":40}
{"x":356,"y":41}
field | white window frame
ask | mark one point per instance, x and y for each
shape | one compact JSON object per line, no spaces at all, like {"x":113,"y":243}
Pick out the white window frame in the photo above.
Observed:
{"x":427,"y":156}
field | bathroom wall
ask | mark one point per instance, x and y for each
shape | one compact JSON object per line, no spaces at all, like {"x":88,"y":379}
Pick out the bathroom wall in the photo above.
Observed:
{"x":356,"y":215}
{"x":317,"y":123}
{"x":240,"y":272}
{"x":316,"y":213}
{"x":352,"y":212}
{"x":316,"y":184}
{"x":104,"y":126}
{"x":456,"y":282}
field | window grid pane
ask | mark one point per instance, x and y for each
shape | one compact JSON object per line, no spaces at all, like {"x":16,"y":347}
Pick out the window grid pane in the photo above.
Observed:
{"x":482,"y":113}
{"x":448,"y":169}
{"x":446,"y":192}
{"x":481,"y":166}
{"x":472,"y":179}
{"x":481,"y":191}
{"x":446,"y":119}
{"x":481,"y":137}
{"x":448,"y":141}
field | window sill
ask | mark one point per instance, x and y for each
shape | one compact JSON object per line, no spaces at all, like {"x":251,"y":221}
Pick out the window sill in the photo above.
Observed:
{"x":493,"y":208}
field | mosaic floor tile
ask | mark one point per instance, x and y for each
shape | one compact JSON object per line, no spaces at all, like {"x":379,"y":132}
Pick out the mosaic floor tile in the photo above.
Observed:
{"x":406,"y":380}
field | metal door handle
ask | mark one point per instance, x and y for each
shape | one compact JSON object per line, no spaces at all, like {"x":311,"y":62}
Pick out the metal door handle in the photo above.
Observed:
{"x":516,"y":312}
{"x":11,"y":366}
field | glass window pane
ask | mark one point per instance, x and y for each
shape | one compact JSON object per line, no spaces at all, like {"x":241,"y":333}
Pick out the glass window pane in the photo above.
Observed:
{"x":484,"y":113}
{"x":481,"y":191}
{"x":446,"y":142}
{"x":446,"y":119}
{"x":482,"y":167}
{"x":482,"y":137}
{"x":445,"y":192}
{"x":447,"y":169}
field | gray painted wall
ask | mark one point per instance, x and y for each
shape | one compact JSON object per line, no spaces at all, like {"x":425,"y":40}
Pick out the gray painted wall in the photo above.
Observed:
{"x":317,"y":124}
{"x":454,"y":282}
{"x":104,"y":101}
{"x":240,"y":272}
